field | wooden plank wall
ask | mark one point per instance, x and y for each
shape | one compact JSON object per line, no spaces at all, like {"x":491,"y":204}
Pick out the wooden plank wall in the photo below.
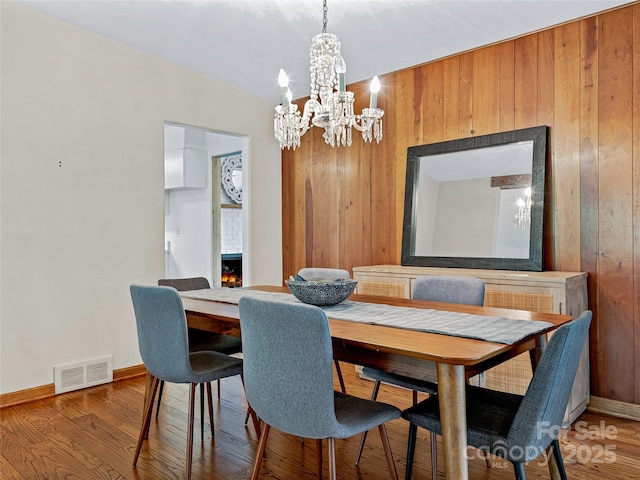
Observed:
{"x":343,"y":207}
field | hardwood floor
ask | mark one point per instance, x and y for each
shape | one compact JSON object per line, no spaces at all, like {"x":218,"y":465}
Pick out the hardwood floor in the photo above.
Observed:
{"x":92,"y":433}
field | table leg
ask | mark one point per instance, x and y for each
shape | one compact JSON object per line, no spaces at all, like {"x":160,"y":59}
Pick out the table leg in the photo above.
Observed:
{"x":535,"y":354}
{"x":451,"y":393}
{"x":147,"y":390}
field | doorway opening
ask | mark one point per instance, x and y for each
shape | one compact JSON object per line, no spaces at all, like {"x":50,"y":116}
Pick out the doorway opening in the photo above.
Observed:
{"x":196,"y":224}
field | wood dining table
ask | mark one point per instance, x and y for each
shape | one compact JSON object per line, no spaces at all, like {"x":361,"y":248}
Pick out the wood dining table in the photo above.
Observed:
{"x":410,"y":352}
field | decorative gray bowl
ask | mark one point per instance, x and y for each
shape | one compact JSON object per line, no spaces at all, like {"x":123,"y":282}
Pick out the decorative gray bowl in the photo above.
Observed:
{"x":322,"y":293}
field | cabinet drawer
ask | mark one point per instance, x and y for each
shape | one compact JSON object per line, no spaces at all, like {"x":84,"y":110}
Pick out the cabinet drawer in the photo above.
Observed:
{"x":532,"y":302}
{"x":397,"y":287}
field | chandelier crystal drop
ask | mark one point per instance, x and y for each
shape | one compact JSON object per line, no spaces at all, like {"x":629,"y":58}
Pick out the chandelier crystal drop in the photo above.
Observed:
{"x":330,"y":105}
{"x":522,"y":219}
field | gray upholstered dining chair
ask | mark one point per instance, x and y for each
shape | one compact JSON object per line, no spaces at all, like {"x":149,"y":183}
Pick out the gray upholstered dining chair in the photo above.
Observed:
{"x":200,"y":340}
{"x":313,"y":273}
{"x":288,"y":379}
{"x":437,"y":288}
{"x":164,"y":347}
{"x":514,"y":427}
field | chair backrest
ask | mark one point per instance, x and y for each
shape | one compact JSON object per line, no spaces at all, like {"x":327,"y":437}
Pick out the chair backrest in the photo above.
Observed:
{"x":162,"y":332}
{"x":288,"y":377}
{"x":316,"y":273}
{"x":539,"y":418}
{"x":450,"y":289}
{"x":183,"y":284}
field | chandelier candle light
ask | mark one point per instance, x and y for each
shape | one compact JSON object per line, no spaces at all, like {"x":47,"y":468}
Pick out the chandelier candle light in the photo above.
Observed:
{"x":330,"y":105}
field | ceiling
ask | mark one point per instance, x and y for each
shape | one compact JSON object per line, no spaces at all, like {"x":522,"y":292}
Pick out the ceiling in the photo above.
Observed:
{"x":244,"y":43}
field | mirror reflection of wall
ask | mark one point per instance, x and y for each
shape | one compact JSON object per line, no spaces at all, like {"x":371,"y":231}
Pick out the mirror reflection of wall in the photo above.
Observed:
{"x":466,"y":227}
{"x":512,"y":241}
{"x":466,"y":202}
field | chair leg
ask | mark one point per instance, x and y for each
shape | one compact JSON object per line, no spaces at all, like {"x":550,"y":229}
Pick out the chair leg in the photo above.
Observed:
{"x":257,"y":463}
{"x":255,"y":419}
{"x":146,"y":420}
{"x":218,"y":382}
{"x":558,"y":456}
{"x":485,"y":454}
{"x":331,"y":448}
{"x":159,"y":398}
{"x":340,"y":379}
{"x":411,"y":449}
{"x":434,"y":456}
{"x":387,"y":451}
{"x":519,"y":469}
{"x":210,"y":409}
{"x":202,"y":411}
{"x":319,"y":455}
{"x":363,"y":438}
{"x":192,"y":401}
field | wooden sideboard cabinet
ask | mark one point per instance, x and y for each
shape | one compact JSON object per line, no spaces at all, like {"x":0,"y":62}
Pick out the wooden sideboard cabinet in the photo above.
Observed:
{"x":548,"y":292}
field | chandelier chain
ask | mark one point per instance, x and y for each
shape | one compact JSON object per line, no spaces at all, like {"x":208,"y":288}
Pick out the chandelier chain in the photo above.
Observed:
{"x":325,"y":10}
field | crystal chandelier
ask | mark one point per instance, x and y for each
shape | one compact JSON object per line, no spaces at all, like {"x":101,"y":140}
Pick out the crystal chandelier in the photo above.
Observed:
{"x":522,"y":218}
{"x":330,"y":105}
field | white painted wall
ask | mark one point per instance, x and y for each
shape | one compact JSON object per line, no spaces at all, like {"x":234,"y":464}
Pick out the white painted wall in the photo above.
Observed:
{"x":81,"y":193}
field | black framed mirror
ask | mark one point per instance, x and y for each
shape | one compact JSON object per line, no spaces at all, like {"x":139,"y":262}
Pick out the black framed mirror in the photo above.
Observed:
{"x":476,"y":202}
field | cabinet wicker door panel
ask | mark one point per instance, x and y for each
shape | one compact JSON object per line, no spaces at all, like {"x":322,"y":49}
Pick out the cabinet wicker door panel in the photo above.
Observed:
{"x":514,"y":376}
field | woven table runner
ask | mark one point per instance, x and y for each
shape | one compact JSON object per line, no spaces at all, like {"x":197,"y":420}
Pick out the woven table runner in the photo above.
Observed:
{"x":490,"y":329}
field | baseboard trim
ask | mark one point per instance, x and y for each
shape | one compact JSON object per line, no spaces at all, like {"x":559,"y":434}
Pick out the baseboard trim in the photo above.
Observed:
{"x":28,"y":395}
{"x":129,"y":372}
{"x":45,"y":391}
{"x":615,"y":408}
